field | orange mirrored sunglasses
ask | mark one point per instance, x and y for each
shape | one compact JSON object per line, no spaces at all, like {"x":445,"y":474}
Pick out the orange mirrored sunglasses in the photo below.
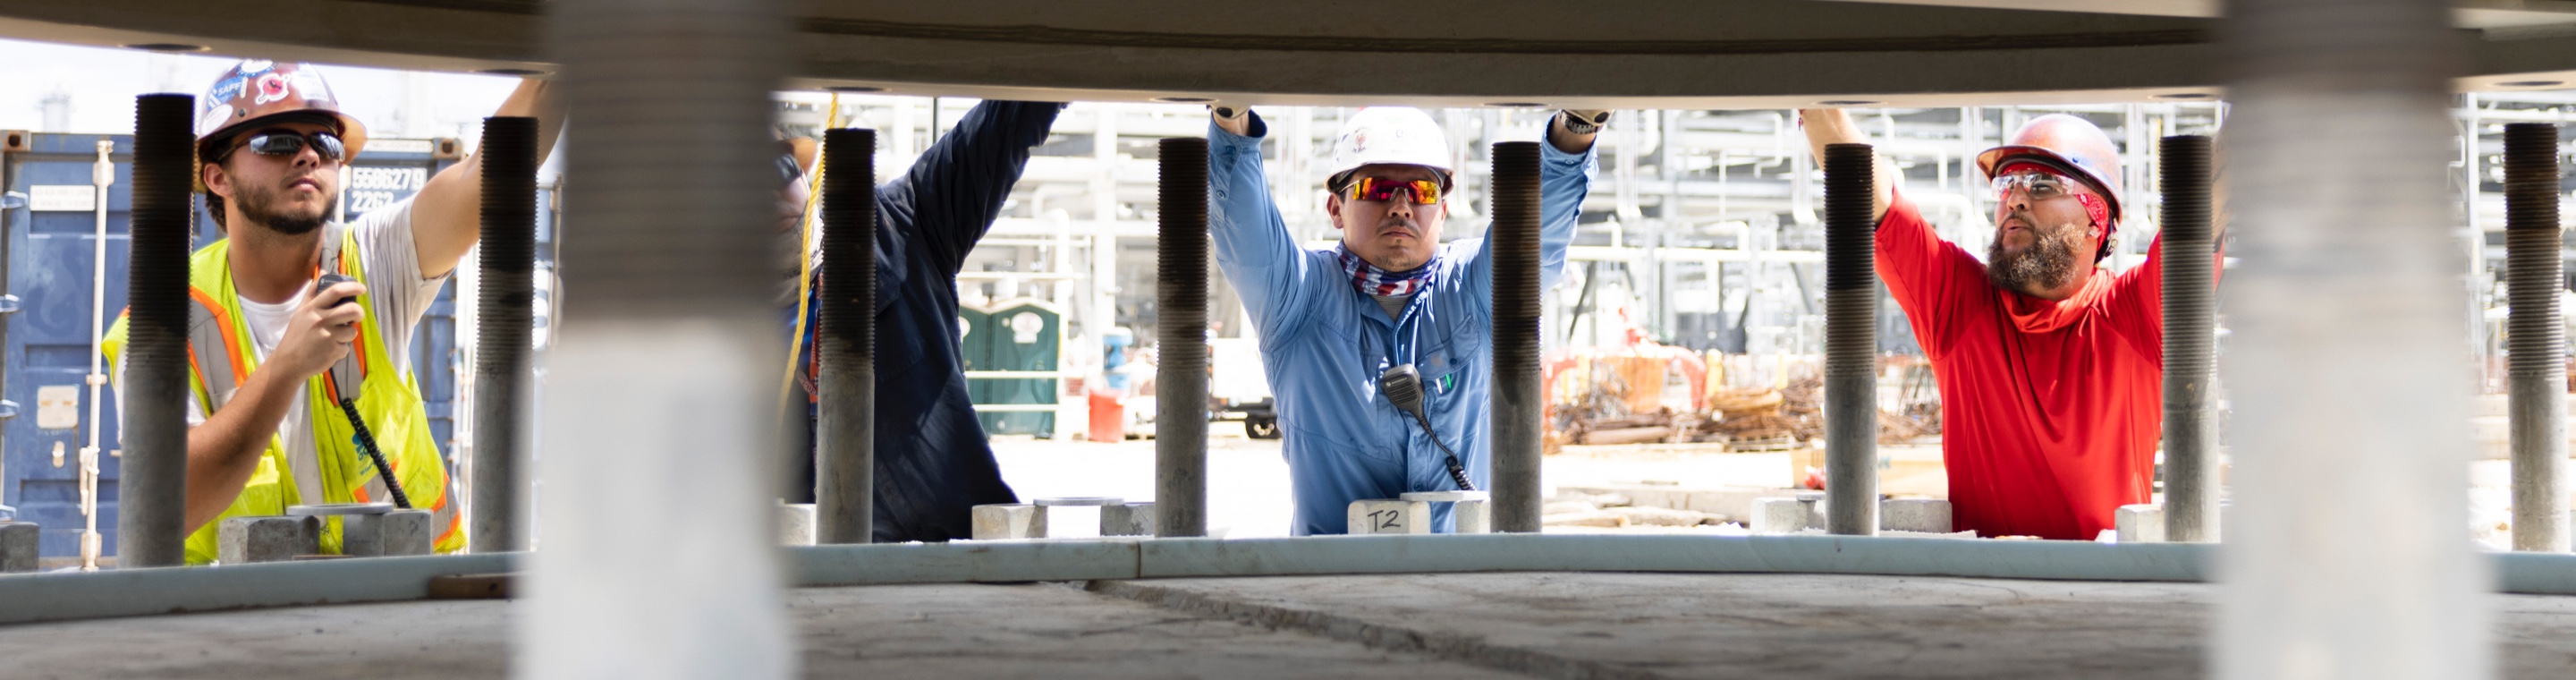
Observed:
{"x":1424,"y":192}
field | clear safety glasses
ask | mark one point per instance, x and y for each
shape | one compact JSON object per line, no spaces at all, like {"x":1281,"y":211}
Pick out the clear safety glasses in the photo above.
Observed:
{"x":1424,"y":192}
{"x":2040,"y":184}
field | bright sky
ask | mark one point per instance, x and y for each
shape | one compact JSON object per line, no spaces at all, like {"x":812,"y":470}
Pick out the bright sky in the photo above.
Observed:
{"x":103,"y":82}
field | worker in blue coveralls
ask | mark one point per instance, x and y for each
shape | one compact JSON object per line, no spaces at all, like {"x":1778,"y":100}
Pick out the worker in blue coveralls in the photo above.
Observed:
{"x":1333,"y":321}
{"x":933,"y":465}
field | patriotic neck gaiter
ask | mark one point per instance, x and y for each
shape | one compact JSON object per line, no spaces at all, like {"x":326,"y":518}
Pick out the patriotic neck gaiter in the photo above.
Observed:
{"x":1371,"y":280}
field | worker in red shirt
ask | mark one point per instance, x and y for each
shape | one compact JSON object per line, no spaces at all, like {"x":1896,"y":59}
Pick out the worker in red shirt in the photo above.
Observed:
{"x":2050,"y":366}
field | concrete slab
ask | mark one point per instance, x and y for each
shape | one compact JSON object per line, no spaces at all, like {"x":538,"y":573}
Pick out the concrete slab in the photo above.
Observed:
{"x":924,"y":631}
{"x":1510,"y":624}
{"x":1055,"y":631}
{"x":1605,"y":625}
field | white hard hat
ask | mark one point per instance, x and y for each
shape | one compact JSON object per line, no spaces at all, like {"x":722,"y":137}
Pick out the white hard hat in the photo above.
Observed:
{"x":1399,"y":135}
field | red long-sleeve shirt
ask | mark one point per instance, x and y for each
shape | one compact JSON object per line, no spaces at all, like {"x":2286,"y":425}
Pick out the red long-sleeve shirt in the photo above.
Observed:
{"x":2050,"y":410}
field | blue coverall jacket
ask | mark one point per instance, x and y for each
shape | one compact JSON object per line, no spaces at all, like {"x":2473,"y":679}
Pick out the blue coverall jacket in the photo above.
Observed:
{"x":1323,"y":343}
{"x":932,"y":462}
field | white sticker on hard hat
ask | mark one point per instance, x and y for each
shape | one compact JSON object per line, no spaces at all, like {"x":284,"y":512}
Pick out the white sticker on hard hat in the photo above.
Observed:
{"x":309,"y":83}
{"x":215,"y":117}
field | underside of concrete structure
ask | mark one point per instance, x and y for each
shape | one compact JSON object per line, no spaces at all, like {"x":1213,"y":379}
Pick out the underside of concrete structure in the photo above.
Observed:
{"x":2346,"y":560}
{"x":1529,"y":624}
{"x":1679,"y":54}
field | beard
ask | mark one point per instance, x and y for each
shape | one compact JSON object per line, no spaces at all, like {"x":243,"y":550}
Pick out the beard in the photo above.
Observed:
{"x":2048,"y":263}
{"x":261,"y":205}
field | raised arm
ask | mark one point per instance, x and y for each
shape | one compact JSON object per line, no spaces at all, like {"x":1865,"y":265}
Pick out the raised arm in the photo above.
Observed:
{"x":1834,"y":126}
{"x":1566,"y":166}
{"x":1253,"y":247}
{"x":950,"y":197}
{"x":447,"y":214}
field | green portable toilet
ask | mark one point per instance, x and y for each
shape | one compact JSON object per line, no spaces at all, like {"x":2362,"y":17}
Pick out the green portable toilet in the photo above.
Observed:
{"x":973,"y":326}
{"x":1015,"y":335}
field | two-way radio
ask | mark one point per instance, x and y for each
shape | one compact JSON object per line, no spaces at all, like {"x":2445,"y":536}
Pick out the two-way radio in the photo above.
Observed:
{"x":344,"y":387}
{"x":1403,"y":385}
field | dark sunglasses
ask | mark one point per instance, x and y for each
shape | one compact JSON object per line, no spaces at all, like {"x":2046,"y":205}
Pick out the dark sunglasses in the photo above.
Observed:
{"x":283,"y":143}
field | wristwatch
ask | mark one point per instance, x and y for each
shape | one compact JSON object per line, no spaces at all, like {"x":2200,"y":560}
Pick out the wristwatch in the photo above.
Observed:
{"x":1584,"y":121}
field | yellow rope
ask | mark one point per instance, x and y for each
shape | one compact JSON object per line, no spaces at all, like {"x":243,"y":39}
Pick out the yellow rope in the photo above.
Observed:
{"x":805,"y":262}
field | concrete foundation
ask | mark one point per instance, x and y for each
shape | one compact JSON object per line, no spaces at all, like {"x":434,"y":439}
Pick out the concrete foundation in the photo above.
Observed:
{"x":247,"y":540}
{"x":401,"y":532}
{"x":1390,"y":517}
{"x":1914,"y":514}
{"x":1481,"y":625}
{"x":18,"y":546}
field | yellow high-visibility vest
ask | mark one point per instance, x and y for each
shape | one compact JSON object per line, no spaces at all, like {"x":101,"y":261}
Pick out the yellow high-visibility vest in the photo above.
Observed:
{"x":389,"y":401}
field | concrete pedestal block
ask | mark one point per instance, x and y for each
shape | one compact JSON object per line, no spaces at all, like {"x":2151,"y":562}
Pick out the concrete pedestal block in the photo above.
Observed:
{"x":796,"y":524}
{"x":1914,"y":514}
{"x":1815,"y":501}
{"x":1390,"y":517}
{"x":2141,"y":523}
{"x":401,"y":532}
{"x":1474,"y":517}
{"x":1076,"y":516}
{"x":1778,"y":516}
{"x":246,"y":540}
{"x":18,"y":546}
{"x":1471,"y":511}
{"x":1127,"y":519}
{"x":1009,"y":521}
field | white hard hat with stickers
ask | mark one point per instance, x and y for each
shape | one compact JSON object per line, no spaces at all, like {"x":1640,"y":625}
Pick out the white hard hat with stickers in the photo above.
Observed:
{"x":1389,"y":135}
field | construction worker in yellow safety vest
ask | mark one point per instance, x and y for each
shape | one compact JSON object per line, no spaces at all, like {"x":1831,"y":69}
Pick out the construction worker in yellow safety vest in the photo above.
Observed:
{"x":265,"y":426}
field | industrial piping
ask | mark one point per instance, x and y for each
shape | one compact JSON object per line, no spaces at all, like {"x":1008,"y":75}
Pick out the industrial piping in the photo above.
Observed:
{"x":1517,"y":399}
{"x":2190,"y":311}
{"x":1851,"y":341}
{"x":2536,"y":343}
{"x":503,"y":314}
{"x":1181,"y":376}
{"x":845,"y":425}
{"x":152,"y":514}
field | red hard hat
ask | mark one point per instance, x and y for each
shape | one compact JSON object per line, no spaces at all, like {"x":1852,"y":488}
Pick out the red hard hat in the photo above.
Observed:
{"x":2069,"y":144}
{"x":258,"y":91}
